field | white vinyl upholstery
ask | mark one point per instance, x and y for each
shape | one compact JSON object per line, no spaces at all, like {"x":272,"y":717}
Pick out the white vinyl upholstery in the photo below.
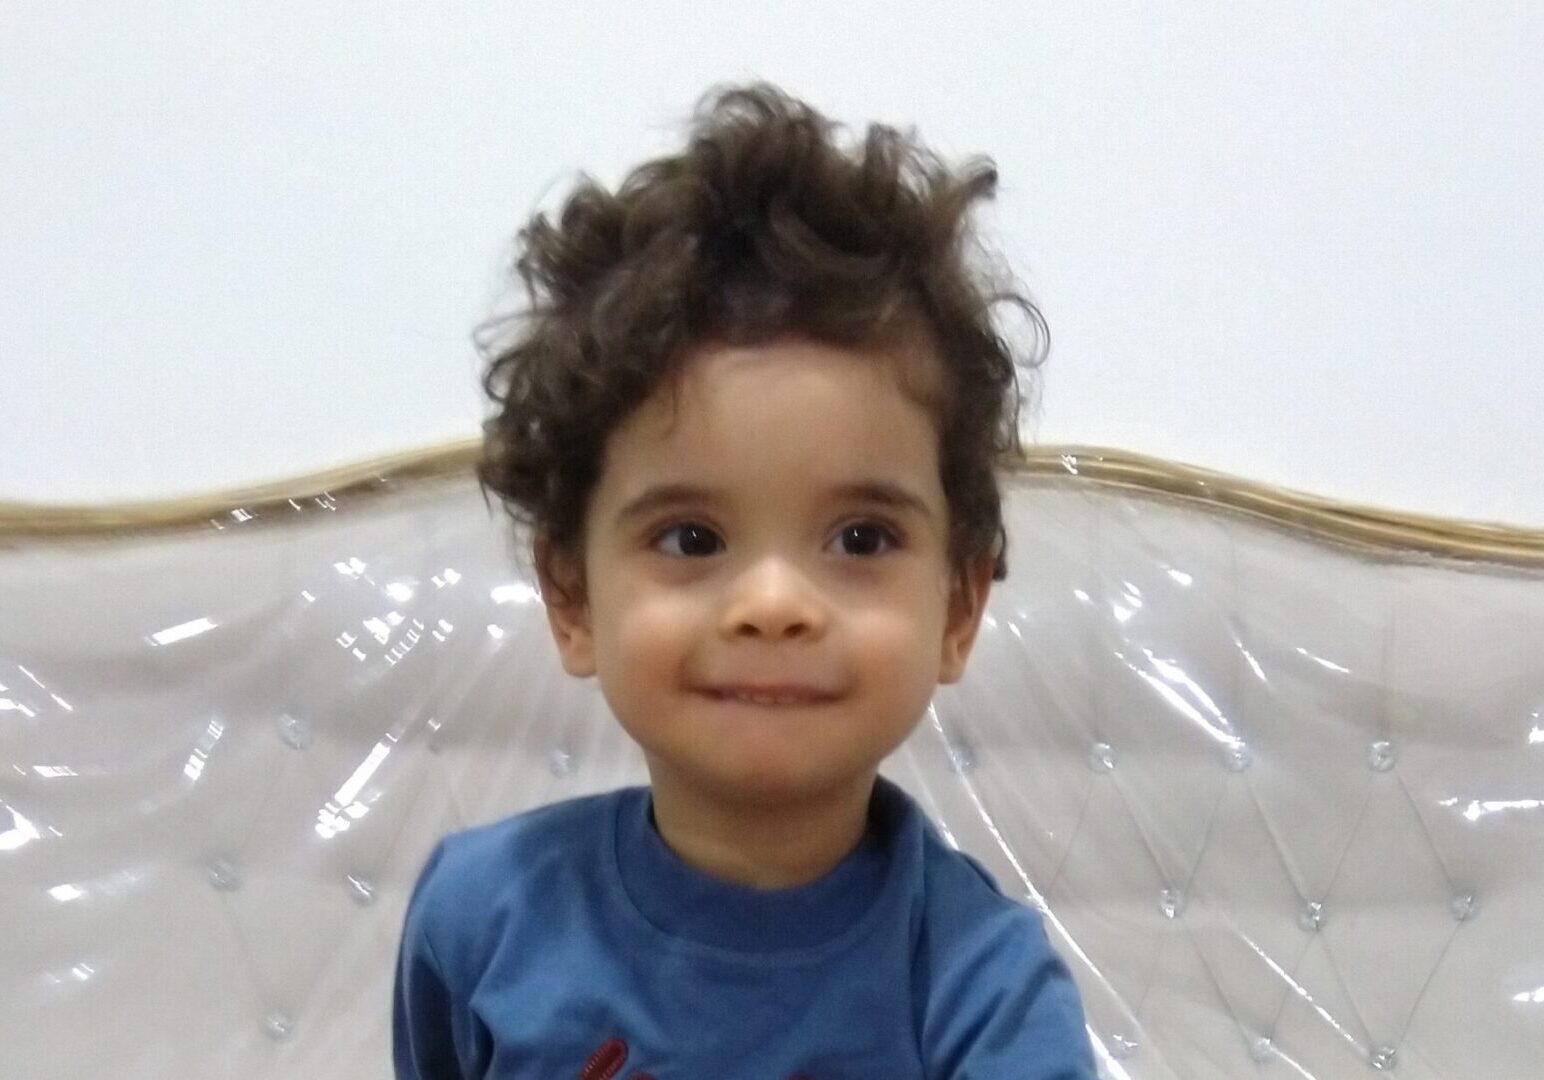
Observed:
{"x":1282,"y":802}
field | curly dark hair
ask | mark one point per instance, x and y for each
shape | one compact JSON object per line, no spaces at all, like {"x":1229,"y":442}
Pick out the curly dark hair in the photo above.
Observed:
{"x":759,"y":229}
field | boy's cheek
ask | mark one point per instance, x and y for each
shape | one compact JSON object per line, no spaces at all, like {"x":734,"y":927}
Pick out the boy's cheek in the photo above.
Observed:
{"x":895,"y":647}
{"x":651,"y":630}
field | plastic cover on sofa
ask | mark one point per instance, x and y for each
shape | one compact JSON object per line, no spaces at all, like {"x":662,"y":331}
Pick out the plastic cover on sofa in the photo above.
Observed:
{"x":1281,"y":800}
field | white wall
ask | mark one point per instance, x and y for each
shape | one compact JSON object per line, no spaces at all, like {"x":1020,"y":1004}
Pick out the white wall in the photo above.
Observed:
{"x":1299,"y":242}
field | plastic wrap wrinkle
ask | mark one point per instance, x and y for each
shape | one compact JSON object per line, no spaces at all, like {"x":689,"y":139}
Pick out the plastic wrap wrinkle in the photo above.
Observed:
{"x":1282,"y":804}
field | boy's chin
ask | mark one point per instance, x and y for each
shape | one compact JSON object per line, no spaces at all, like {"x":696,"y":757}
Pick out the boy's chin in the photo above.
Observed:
{"x":760,"y":783}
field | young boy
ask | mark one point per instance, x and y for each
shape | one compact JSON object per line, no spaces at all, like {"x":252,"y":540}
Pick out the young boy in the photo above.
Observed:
{"x":753,"y":422}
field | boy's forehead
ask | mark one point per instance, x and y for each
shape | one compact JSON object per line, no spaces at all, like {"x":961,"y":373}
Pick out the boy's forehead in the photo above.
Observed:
{"x":899,"y":493}
{"x":770,"y":419}
{"x":724,"y":385}
{"x":793,"y":421}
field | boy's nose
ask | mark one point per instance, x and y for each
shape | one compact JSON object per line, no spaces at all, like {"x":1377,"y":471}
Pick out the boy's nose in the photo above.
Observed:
{"x":774,"y":600}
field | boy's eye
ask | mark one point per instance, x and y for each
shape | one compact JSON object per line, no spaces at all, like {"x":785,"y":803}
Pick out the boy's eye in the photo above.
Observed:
{"x":866,"y":535}
{"x":695,"y":539}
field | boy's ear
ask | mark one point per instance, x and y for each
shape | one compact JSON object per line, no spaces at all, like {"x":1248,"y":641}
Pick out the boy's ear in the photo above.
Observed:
{"x":568,"y":613}
{"x":967,"y":603}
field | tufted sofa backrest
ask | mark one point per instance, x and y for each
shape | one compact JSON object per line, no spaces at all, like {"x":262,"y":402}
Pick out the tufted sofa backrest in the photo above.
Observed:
{"x":1280,"y":798}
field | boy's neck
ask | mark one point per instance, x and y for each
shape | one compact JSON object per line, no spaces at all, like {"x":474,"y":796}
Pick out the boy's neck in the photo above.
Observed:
{"x":760,"y":845}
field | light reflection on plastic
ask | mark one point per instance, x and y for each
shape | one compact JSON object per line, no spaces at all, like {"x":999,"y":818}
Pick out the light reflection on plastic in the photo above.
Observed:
{"x":1478,"y":808}
{"x":1108,"y":1066}
{"x":52,"y":771}
{"x":331,"y":820}
{"x":182,"y":630}
{"x":1133,"y":596}
{"x":1255,"y":665}
{"x":516,"y":592}
{"x":1175,"y":674}
{"x":7,"y":703}
{"x":195,"y":764}
{"x":405,"y":646}
{"x":10,"y":704}
{"x":1321,"y":661}
{"x":65,"y":893}
{"x":21,"y":832}
{"x":381,"y":631}
{"x":1281,"y":1055}
{"x":1530,"y":997}
{"x":80,"y":972}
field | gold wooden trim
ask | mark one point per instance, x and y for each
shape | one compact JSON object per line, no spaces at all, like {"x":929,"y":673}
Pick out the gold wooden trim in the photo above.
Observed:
{"x":1367,"y":528}
{"x":270,"y":503}
{"x":1372,"y":529}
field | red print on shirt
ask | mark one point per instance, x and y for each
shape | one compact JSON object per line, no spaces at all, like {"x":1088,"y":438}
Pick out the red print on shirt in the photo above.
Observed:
{"x":606,"y":1062}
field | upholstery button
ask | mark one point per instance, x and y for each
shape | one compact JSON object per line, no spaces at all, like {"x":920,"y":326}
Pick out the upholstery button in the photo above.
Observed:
{"x":1311,"y":917}
{"x":1171,"y":902}
{"x":1384,"y":1058}
{"x":1121,"y":1047}
{"x":224,"y":876}
{"x":434,"y":727}
{"x":1380,"y":756}
{"x":1239,"y":757}
{"x":1261,"y":1049}
{"x":279,"y":1027}
{"x":1463,"y":907}
{"x":560,"y":763}
{"x":1101,"y":757}
{"x":295,"y":731}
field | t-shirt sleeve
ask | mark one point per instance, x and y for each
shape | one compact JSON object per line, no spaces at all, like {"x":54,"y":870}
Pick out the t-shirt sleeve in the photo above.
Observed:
{"x":1006,"y":1007}
{"x":426,"y":1017}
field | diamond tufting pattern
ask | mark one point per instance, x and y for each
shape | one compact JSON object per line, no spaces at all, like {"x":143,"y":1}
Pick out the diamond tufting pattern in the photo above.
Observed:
{"x":1281,"y":802}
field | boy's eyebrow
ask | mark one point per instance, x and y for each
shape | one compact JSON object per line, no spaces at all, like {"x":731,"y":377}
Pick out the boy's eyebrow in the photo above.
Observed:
{"x":882,"y":492}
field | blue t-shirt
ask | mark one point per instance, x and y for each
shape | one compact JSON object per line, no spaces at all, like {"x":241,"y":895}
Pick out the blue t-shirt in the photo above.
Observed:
{"x":570,"y":942}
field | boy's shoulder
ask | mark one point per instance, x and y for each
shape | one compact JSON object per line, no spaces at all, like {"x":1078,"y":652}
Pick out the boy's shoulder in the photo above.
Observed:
{"x":966,"y":905}
{"x":956,"y":876}
{"x":479,"y":882}
{"x":497,"y":862}
{"x":961,"y":905}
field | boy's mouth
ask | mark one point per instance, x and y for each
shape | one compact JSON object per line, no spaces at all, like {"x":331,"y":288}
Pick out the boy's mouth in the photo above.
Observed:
{"x":772,"y":695}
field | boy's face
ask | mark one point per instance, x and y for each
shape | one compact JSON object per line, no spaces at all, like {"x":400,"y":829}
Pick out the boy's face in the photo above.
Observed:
{"x":773,"y":576}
